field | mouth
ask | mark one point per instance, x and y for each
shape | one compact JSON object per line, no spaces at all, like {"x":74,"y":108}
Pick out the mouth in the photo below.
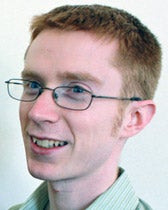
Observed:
{"x":48,"y":143}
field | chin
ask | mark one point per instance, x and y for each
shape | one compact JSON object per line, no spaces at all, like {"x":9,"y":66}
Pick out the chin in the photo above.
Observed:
{"x":44,"y":171}
{"x":37,"y":173}
{"x":38,"y":170}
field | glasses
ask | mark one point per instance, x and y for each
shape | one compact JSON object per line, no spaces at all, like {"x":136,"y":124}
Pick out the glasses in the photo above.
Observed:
{"x":73,"y":97}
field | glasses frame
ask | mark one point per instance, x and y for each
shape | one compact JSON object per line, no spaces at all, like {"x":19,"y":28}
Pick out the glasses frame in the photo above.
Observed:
{"x":41,"y":90}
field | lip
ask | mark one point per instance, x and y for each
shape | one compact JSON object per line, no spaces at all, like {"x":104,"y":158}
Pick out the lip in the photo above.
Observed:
{"x":42,"y":150}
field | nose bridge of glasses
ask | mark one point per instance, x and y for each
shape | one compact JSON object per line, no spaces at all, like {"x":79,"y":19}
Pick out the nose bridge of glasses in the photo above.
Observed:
{"x":53,"y":90}
{"x":47,"y":88}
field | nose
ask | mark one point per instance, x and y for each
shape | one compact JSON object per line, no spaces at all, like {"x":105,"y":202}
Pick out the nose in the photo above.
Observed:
{"x":44,"y":109}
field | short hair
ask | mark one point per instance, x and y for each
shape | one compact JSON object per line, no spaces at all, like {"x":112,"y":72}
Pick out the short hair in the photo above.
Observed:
{"x":139,"y":54}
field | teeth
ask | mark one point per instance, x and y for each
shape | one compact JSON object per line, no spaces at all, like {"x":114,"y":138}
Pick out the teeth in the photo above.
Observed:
{"x":49,"y":143}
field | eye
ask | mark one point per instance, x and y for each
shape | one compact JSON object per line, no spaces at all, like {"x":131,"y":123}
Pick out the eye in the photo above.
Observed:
{"x":76,"y":93}
{"x":31,"y":87}
{"x":78,"y":89}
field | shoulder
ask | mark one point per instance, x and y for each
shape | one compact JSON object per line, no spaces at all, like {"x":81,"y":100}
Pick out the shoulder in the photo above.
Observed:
{"x":37,"y":200}
{"x":17,"y":207}
{"x":143,"y":205}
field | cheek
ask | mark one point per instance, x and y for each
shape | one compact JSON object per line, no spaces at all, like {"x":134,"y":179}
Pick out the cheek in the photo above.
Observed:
{"x":96,"y":125}
{"x":95,"y":138}
{"x":91,"y":127}
{"x":23,"y":114}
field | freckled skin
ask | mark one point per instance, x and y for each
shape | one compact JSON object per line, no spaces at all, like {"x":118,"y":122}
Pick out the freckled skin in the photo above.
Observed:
{"x":94,"y":135}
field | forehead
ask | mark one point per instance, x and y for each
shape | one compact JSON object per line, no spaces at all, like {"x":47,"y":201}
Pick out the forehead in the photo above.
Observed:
{"x":58,"y":54}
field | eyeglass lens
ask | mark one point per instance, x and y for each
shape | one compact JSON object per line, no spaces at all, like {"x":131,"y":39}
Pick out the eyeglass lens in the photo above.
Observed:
{"x":70,"y":97}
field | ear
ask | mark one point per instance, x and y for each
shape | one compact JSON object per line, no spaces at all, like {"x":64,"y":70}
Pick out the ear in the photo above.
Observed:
{"x":137,"y":116}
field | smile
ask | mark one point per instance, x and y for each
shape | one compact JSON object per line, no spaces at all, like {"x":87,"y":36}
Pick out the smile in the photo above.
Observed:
{"x":46,"y":143}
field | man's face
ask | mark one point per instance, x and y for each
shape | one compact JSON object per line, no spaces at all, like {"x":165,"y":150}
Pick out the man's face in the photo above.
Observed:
{"x":92,"y":136}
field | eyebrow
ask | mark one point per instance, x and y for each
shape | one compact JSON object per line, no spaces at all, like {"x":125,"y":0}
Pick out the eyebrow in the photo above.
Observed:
{"x":27,"y":74}
{"x":61,"y":76}
{"x":80,"y":76}
{"x":33,"y":76}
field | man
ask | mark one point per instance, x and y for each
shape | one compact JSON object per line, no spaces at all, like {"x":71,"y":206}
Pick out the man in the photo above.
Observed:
{"x":87,"y":86}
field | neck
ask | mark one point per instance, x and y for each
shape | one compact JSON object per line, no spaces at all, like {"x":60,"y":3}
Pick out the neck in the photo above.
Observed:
{"x":79,"y":193}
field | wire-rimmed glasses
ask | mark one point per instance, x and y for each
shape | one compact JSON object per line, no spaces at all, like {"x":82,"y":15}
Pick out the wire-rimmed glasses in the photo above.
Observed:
{"x":73,"y":97}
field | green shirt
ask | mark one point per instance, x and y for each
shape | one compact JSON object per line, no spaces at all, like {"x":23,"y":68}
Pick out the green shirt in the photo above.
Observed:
{"x":120,"y":196}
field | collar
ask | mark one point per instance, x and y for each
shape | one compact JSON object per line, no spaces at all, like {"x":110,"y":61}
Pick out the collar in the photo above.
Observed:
{"x":119,"y":196}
